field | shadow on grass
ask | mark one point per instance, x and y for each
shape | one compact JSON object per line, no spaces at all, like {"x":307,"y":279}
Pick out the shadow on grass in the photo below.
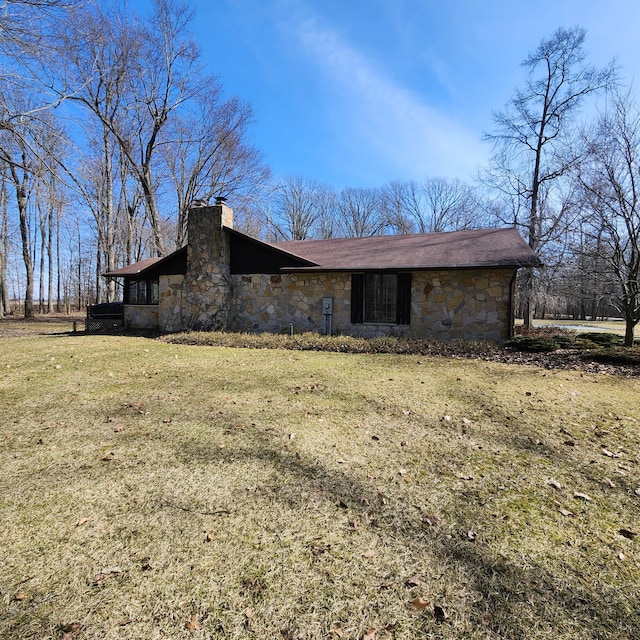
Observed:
{"x":518,"y":602}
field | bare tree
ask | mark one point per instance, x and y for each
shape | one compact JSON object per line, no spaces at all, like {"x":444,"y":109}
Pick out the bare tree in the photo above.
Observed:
{"x":360,"y":212}
{"x":14,"y":154}
{"x":25,"y":45}
{"x":436,"y":204}
{"x":133,"y":75}
{"x":298,"y":208}
{"x":611,"y":182}
{"x":4,"y":243}
{"x":207,"y":152}
{"x":532,"y":138}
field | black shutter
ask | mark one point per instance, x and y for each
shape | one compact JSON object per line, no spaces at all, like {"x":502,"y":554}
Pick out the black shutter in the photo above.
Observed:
{"x":357,"y":298}
{"x":403,"y":308}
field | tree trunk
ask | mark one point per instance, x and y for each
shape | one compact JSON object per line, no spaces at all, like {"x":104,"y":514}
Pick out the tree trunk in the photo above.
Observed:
{"x":50,"y":259}
{"x":21,"y":197}
{"x":527,"y":295}
{"x":4,"y":249}
{"x":630,"y":323}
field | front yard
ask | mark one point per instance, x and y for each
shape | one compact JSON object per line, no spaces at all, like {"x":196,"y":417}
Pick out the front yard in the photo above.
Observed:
{"x":155,"y":490}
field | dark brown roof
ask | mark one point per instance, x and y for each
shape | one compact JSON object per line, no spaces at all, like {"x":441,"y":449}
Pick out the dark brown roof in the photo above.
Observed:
{"x":133,"y":269}
{"x":446,"y":250}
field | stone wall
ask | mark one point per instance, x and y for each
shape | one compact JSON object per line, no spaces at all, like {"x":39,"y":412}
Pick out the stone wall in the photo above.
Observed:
{"x":462,"y":304}
{"x":140,"y":316}
{"x":273,"y":302}
{"x":206,"y":290}
{"x":446,"y":305}
{"x":170,"y":303}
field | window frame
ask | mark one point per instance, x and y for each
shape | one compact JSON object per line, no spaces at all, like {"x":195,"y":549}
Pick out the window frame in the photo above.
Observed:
{"x":361,"y":313}
{"x":147,"y":291}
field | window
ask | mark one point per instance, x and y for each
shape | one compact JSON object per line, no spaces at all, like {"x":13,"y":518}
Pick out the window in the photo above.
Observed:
{"x":381,"y":297}
{"x":142,"y":292}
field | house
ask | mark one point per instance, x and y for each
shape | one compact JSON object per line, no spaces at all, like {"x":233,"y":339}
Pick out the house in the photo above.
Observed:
{"x":443,"y":285}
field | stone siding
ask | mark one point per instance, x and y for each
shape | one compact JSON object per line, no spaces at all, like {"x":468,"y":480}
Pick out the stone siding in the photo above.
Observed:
{"x":272,"y":302}
{"x":170,"y":303}
{"x":446,"y":305}
{"x":206,"y":293}
{"x":140,"y":316}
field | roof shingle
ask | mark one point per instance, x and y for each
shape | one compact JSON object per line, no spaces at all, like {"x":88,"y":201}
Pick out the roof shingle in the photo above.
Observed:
{"x":445,"y":250}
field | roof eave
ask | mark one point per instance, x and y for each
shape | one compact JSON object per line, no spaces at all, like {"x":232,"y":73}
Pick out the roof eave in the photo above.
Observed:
{"x":417,"y":267}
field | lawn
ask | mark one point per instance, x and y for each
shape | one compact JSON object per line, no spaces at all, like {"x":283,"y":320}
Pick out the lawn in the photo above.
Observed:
{"x":154,"y":490}
{"x":614,"y":325}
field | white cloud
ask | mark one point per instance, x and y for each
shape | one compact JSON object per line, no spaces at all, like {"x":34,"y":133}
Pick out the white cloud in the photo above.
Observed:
{"x":414,"y":138}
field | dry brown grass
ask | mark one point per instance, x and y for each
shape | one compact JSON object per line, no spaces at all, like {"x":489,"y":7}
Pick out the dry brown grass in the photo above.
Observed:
{"x":150,"y":490}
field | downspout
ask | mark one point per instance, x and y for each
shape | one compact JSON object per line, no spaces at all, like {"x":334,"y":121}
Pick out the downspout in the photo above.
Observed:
{"x":512,"y":318}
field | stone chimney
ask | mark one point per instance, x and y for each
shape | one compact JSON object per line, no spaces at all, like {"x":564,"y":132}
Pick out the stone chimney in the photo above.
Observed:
{"x":206,"y":293}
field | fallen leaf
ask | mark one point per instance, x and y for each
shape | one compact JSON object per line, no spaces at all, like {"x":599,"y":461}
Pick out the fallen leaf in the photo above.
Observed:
{"x":70,"y":630}
{"x":610,"y":454}
{"x":420,"y":603}
{"x":554,"y":483}
{"x":209,"y":536}
{"x":566,"y":512}
{"x":439,"y":613}
{"x":105,"y":574}
{"x":582,"y":496}
{"x":472,"y":535}
{"x":413,"y":582}
{"x":249,"y":612}
{"x":627,"y":534}
{"x":369,"y":553}
{"x":432,"y":521}
{"x":192,"y":625}
{"x":166,"y":420}
{"x":370,"y":634}
{"x":338,"y":632}
{"x":82,"y":521}
{"x":19,"y":597}
{"x":609,"y":483}
{"x":621,"y":556}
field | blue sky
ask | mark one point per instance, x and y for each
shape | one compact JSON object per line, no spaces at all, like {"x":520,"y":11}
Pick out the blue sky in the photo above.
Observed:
{"x":361,"y":92}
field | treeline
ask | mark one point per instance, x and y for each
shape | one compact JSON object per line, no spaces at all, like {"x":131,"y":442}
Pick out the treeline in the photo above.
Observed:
{"x":110,"y":128}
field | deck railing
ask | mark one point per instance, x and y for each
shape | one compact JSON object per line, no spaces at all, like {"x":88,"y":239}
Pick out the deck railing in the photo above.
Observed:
{"x":104,"y":317}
